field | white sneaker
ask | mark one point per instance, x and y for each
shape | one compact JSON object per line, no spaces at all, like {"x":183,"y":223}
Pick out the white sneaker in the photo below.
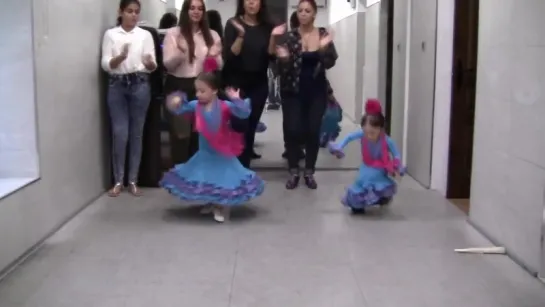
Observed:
{"x":207,"y":209}
{"x":218,"y":215}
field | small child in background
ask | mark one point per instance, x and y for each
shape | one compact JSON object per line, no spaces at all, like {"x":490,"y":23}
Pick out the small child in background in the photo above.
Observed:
{"x":331,"y":127}
{"x":375,"y":184}
{"x":214,"y":175}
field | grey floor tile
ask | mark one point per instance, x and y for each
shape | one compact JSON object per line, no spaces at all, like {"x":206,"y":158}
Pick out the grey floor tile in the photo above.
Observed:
{"x":293,"y":283}
{"x":288,"y":248}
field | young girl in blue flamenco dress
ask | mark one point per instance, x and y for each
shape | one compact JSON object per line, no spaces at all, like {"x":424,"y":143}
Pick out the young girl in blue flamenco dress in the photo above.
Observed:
{"x":381,"y":162}
{"x":213,"y":175}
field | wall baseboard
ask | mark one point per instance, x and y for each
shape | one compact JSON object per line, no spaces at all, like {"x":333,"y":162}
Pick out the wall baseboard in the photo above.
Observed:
{"x":496,"y":242}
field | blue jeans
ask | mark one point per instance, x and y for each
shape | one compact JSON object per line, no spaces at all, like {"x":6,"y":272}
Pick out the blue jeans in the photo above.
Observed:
{"x":128,"y":101}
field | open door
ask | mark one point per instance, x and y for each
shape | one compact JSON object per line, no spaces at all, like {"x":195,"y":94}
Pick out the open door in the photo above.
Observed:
{"x":464,"y":77}
{"x":389,"y":64}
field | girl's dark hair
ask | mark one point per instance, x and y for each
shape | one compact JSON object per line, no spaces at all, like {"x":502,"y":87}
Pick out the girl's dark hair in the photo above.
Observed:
{"x":375,"y":120}
{"x":312,"y":3}
{"x":263,"y":16}
{"x":168,"y":21}
{"x":294,"y":21}
{"x":123,"y":4}
{"x":187,"y":32}
{"x":211,"y":79}
{"x":214,"y":21}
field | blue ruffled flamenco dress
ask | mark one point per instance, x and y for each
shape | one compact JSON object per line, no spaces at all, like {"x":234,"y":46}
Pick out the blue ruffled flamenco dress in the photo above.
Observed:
{"x":373,"y":186}
{"x":211,"y":177}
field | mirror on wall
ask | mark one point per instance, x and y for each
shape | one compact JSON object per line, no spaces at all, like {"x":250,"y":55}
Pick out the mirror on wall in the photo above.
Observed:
{"x":19,"y":162}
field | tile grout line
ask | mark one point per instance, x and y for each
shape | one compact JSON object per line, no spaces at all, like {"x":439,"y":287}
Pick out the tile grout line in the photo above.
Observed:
{"x":353,"y":271}
{"x":359,"y":285}
{"x":233,"y":278}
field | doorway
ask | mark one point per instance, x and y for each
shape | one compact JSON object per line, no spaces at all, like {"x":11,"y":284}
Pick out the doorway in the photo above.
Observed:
{"x":389,"y":64}
{"x":464,"y":77}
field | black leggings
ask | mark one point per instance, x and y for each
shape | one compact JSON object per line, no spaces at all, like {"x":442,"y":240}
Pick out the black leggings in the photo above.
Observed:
{"x":258,"y":96}
{"x":302,"y":121}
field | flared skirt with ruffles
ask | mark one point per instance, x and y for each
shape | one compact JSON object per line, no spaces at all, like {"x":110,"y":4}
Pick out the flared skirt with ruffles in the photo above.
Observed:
{"x":371,"y":188}
{"x":211,"y":178}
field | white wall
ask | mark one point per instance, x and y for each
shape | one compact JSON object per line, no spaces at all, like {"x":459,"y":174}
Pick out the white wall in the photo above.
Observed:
{"x":152,"y":11}
{"x":322,"y":17}
{"x":508,"y":177}
{"x":227,"y":8}
{"x":401,"y":41}
{"x":73,"y":142}
{"x":18,"y":142}
{"x":340,"y":9}
{"x":419,"y":122}
{"x":382,"y":49}
{"x":344,"y":75}
{"x":357,"y":39}
{"x":372,"y":73}
{"x":403,"y":101}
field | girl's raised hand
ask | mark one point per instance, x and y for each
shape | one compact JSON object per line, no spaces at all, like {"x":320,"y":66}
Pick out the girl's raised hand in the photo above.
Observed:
{"x":282,"y":52}
{"x":214,"y":50}
{"x":238,"y":26}
{"x":174,"y":101}
{"x":326,"y":39}
{"x":233,"y":93}
{"x":279,"y":30}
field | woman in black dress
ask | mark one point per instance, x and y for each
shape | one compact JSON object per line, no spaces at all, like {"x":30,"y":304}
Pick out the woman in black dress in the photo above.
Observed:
{"x":308,"y":52}
{"x":249,"y":46}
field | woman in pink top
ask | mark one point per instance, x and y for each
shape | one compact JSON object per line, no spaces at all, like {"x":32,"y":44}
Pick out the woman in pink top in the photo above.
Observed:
{"x":184,"y":50}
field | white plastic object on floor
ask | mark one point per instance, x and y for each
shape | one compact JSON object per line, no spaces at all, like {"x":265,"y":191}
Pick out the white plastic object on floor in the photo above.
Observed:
{"x":497,"y":250}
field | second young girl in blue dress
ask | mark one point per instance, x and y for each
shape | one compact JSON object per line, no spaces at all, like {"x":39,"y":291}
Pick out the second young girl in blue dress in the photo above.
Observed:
{"x":381,"y":162}
{"x":214,"y":175}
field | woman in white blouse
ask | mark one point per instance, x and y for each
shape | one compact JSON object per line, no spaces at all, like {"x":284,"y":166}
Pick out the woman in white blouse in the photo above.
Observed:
{"x":128,"y":55}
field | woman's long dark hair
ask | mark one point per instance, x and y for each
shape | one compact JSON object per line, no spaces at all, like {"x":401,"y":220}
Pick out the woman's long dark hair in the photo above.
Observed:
{"x":168,"y":21}
{"x":123,"y":5}
{"x":187,"y":31}
{"x":263,"y":16}
{"x":294,"y":21}
{"x":214,"y":21}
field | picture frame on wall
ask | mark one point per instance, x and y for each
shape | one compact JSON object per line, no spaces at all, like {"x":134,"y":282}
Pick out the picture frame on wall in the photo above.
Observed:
{"x":321,"y":4}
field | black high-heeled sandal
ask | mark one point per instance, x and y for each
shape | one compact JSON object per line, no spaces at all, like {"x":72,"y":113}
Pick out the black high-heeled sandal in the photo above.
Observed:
{"x":310,"y":182}
{"x":293,"y":181}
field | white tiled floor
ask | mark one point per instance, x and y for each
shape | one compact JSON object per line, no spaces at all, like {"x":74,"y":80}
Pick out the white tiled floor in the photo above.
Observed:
{"x":297,"y":248}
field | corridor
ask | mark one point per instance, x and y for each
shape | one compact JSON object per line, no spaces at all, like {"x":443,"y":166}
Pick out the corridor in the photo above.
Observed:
{"x":475,"y":125}
{"x":289,"y":248}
